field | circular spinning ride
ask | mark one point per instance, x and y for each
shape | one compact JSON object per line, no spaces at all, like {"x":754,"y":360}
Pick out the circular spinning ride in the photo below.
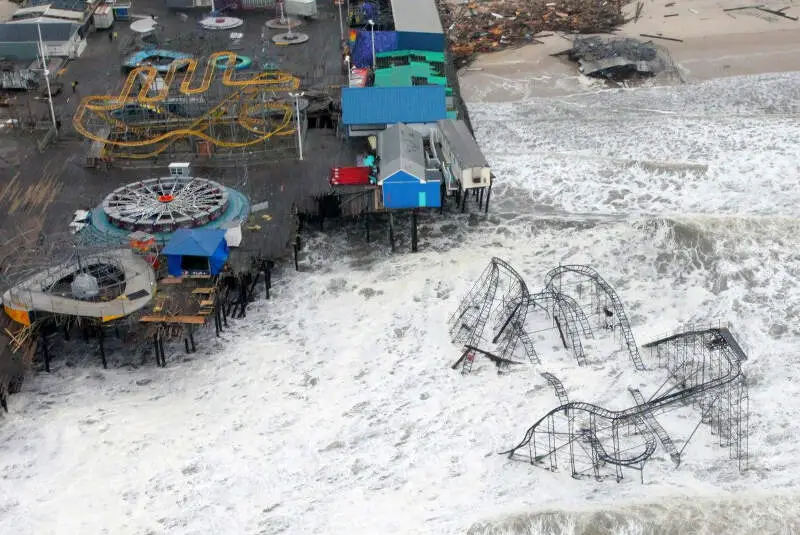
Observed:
{"x":166,"y":204}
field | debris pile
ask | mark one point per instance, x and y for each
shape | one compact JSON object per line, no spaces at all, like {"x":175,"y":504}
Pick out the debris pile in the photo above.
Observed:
{"x":619,"y":58}
{"x":479,"y":26}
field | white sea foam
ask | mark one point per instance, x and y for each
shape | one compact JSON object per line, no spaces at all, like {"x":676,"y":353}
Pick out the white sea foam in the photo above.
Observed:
{"x":333,"y":409}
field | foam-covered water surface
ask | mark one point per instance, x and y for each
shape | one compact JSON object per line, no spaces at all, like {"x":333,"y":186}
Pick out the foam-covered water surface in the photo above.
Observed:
{"x":333,"y":408}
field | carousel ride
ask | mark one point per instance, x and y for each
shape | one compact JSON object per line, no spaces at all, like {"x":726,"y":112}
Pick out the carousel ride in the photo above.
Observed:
{"x":160,"y":206}
{"x":153,"y":113}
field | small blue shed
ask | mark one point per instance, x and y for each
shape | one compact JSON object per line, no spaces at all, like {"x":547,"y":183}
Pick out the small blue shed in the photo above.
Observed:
{"x":404,"y":180}
{"x":196,"y":250}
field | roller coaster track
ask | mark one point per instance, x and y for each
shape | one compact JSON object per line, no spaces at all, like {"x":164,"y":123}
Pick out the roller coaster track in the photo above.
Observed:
{"x":469,"y":320}
{"x":567,"y":322}
{"x":561,"y":392}
{"x":247,"y":98}
{"x":616,"y":304}
{"x":655,"y":427}
{"x":731,"y":353}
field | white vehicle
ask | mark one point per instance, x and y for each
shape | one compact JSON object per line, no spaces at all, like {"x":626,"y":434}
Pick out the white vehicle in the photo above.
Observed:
{"x":103,"y":17}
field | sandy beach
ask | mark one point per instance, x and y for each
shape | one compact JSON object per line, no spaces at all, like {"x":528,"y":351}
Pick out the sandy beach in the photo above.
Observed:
{"x":714,"y":43}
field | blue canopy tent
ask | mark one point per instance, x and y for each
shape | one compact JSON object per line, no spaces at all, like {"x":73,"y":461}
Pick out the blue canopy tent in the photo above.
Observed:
{"x":196,"y":250}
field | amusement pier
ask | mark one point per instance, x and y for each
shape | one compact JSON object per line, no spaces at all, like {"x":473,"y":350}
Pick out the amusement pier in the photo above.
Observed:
{"x":159,"y":159}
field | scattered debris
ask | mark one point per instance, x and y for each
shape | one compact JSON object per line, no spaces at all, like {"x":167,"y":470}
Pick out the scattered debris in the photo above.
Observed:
{"x":475,"y":27}
{"x":760,"y":7}
{"x":778,"y":13}
{"x":651,"y":36}
{"x":639,"y":8}
{"x":619,"y":58}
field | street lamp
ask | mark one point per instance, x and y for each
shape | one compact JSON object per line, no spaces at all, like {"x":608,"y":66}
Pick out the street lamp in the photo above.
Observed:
{"x":296,"y":97}
{"x":341,"y":21}
{"x":289,"y":34}
{"x":372,"y":32}
{"x":46,"y":78}
{"x":280,"y":10}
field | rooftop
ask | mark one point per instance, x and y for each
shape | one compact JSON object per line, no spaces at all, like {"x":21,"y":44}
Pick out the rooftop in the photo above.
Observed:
{"x":416,"y":16}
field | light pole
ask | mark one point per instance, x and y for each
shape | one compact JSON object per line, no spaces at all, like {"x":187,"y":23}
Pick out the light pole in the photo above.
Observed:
{"x":341,"y":21}
{"x":280,"y":8}
{"x":296,"y":97}
{"x":46,"y":78}
{"x":289,"y":34}
{"x":372,"y":32}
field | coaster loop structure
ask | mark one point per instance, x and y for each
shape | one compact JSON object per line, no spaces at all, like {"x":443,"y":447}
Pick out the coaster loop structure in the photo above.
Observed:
{"x":188,"y":103}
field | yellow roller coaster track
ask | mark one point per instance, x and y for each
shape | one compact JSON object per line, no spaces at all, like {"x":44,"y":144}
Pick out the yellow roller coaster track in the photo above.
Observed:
{"x":247,"y":97}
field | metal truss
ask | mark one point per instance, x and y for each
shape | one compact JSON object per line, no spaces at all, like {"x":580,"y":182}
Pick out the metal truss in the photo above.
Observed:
{"x":704,"y":370}
{"x":501,"y":296}
{"x":604,"y":302}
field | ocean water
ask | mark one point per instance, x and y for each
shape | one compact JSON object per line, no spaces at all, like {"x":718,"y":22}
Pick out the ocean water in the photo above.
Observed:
{"x":333,"y":408}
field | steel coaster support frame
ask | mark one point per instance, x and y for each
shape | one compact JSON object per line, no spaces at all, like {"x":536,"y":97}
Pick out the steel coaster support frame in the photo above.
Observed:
{"x":566,"y":322}
{"x":657,"y":428}
{"x":500,"y":293}
{"x":553,"y":281}
{"x":711,"y":356}
{"x":709,"y":372}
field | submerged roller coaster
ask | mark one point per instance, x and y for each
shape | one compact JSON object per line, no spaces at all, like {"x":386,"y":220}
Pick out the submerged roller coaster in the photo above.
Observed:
{"x":501,"y":295}
{"x":703,"y":368}
{"x":225,"y":112}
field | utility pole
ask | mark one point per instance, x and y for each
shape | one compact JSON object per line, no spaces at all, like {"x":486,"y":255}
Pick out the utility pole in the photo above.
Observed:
{"x":46,"y":78}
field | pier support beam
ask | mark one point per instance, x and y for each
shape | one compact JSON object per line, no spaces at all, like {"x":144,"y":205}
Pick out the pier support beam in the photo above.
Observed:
{"x":267,"y":277}
{"x":191,"y":338}
{"x":100,"y":341}
{"x":163,"y":353}
{"x":414,"y":231}
{"x":488,"y":196}
{"x":156,"y":350}
{"x":45,"y":351}
{"x":391,"y":230}
{"x":297,"y":253}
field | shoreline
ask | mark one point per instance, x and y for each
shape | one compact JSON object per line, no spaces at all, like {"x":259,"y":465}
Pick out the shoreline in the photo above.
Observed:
{"x":714,"y":44}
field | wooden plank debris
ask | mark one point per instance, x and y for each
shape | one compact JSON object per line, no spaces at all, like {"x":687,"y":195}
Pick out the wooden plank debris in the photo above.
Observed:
{"x":651,"y":36}
{"x":205,"y":291}
{"x":190,"y":320}
{"x":742,"y":7}
{"x":777,"y":13}
{"x":760,"y":7}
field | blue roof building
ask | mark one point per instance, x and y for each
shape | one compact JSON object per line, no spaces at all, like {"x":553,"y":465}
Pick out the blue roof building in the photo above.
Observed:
{"x":196,"y":251}
{"x":368,"y":110}
{"x":404,"y":178}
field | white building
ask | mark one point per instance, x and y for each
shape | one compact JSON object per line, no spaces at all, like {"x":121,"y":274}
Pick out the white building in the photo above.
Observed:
{"x":463,"y":156}
{"x":19,"y":39}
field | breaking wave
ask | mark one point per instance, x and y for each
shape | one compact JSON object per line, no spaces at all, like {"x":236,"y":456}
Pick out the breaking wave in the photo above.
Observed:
{"x":744,"y":515}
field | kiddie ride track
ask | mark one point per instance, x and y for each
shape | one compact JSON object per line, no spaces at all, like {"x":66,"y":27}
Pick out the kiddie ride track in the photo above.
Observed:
{"x":104,"y":285}
{"x":703,"y":366}
{"x":249,"y":115}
